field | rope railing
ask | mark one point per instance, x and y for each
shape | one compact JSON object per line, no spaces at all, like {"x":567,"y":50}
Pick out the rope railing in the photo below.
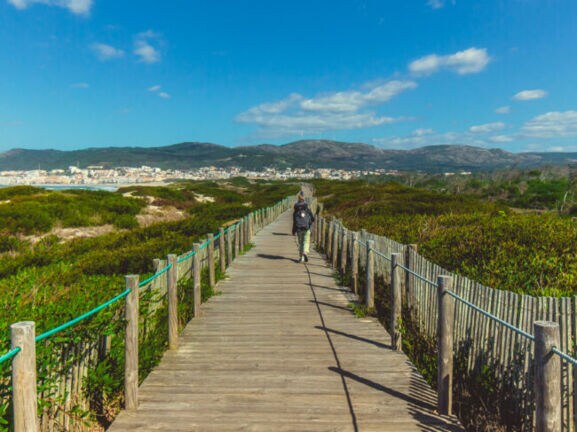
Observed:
{"x":380,"y":254}
{"x":82,"y":317}
{"x":444,"y":322}
{"x":490,"y":316}
{"x":564,"y":356}
{"x":257,"y":219}
{"x":154,"y":276}
{"x":10,"y":354}
{"x":417,"y":275}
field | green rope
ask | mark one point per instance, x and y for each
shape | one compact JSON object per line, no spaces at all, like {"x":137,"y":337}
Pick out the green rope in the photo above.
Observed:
{"x":184,"y":258}
{"x":154,"y":276}
{"x":82,"y":317}
{"x":10,"y":354}
{"x":97,"y":309}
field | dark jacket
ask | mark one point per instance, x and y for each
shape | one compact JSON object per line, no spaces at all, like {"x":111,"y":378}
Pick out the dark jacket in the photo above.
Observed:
{"x":300,"y":206}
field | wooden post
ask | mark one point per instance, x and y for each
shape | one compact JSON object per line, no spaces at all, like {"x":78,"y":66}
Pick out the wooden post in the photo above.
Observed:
{"x":547,"y":377}
{"x":370,"y":290}
{"x":396,"y":302}
{"x":229,"y":246}
{"x":318,"y":228}
{"x":247,"y":229}
{"x":445,"y":321}
{"x":222,"y":249}
{"x":241,"y":236}
{"x":355,"y":263}
{"x":196,"y":270}
{"x":131,"y":345}
{"x":236,"y":240}
{"x":344,"y":251}
{"x":329,"y":250}
{"x":335,"y":243}
{"x":211,"y":263}
{"x":24,"y":391}
{"x":155,"y":265}
{"x":244,"y":232}
{"x":172,"y":295}
{"x":409,"y":281}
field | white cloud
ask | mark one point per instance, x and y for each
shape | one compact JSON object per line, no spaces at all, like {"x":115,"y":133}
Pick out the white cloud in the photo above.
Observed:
{"x":278,"y":107}
{"x":156,"y":90}
{"x":436,"y":4}
{"x":487,"y":127}
{"x":144,"y":47}
{"x":106,"y":52}
{"x":503,"y":110}
{"x":472,"y":60}
{"x":78,"y":7}
{"x":80,"y":85}
{"x":296,"y":114}
{"x":422,"y":132}
{"x":278,"y":125}
{"x":551,"y":125}
{"x":526,"y":95}
{"x":351,"y":101}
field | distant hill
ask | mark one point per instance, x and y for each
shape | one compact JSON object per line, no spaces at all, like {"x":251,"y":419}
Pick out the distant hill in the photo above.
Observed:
{"x":306,"y":153}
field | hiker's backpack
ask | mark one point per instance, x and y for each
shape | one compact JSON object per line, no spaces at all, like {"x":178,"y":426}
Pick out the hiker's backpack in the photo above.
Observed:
{"x":302,"y":218}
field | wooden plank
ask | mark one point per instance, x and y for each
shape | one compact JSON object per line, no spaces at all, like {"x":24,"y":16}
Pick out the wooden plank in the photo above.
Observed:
{"x":291,"y":356}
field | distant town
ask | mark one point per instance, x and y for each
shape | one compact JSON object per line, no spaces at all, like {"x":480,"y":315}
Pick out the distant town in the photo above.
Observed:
{"x":98,"y":175}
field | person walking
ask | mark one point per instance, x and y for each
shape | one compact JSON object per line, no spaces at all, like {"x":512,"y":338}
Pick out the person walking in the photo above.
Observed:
{"x":302,"y":221}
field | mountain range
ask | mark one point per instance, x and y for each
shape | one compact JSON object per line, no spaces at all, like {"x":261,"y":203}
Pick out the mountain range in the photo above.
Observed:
{"x":299,"y":154}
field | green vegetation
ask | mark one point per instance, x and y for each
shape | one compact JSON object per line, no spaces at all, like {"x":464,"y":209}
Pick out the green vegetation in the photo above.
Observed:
{"x":524,"y":241}
{"x":533,"y":253}
{"x":51,"y":282}
{"x":28,"y":210}
{"x":547,"y":188}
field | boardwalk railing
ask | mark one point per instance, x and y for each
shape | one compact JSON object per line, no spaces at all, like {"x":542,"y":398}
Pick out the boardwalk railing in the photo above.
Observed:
{"x":518,"y":346}
{"x":152,"y":313}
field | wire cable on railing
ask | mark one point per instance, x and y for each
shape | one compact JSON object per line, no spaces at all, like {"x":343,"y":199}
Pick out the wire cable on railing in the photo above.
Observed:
{"x":82,"y":317}
{"x":417,"y":275}
{"x":382,"y":255}
{"x":491,"y":316}
{"x":10,"y":354}
{"x":564,"y":356}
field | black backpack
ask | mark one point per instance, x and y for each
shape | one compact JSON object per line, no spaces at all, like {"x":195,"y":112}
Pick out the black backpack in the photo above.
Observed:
{"x":302,"y":218}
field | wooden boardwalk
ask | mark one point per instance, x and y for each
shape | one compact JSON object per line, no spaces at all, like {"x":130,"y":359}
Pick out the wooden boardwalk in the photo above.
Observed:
{"x":280,"y":351}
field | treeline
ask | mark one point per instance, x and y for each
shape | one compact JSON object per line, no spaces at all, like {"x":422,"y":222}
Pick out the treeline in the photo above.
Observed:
{"x":485,"y":240}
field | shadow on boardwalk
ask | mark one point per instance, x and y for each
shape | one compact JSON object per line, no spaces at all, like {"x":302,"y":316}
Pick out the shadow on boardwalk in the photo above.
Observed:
{"x":280,"y":350}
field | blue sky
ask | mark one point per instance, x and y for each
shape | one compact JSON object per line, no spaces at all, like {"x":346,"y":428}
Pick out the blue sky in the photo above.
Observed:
{"x":396,"y":74}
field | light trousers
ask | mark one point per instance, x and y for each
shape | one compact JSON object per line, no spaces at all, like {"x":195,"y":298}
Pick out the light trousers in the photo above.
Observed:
{"x":304,"y":241}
